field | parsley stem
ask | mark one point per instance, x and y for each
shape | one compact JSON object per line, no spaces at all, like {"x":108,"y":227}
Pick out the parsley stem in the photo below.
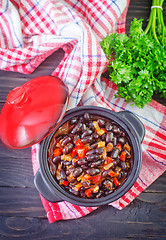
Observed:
{"x":156,"y":27}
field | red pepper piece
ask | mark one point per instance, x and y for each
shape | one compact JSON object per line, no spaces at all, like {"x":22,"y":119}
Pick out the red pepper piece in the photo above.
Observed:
{"x":88,"y":192}
{"x":79,"y":144}
{"x":57,"y":152}
{"x":123,"y":156}
{"x":77,"y":187}
{"x":81,"y":152}
{"x":86,"y":177}
{"x":65,"y":183}
{"x":119,"y":146}
{"x":96,"y":178}
{"x":116,"y":182}
{"x":112,"y":173}
{"x":74,"y":152}
{"x":108,"y":160}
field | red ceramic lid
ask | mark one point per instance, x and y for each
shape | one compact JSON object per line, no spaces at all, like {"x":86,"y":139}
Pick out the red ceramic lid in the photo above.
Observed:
{"x":32,"y":111}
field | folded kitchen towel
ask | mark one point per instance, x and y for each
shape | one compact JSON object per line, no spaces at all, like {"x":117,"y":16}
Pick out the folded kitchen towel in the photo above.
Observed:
{"x":32,"y":30}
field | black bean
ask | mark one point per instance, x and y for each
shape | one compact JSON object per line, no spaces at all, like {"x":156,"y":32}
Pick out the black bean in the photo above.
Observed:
{"x":58,"y":138}
{"x":100,"y":185}
{"x":99,"y":194}
{"x":121,"y":140}
{"x":53,"y":168}
{"x":63,"y":174}
{"x":108,"y":126}
{"x":73,"y":121}
{"x":114,"y":141}
{"x":86,"y":184}
{"x":87,"y":139}
{"x":67,"y":163}
{"x":87,"y":116}
{"x":82,"y":194}
{"x":92,"y":171}
{"x":89,"y":152}
{"x":65,"y":141}
{"x":75,"y":138}
{"x":90,"y":125}
{"x":105,"y":173}
{"x":94,"y":145}
{"x":77,"y":172}
{"x":115,"y":153}
{"x":119,"y":176}
{"x":101,"y":123}
{"x":84,"y":128}
{"x":86,"y":133}
{"x":124,"y":174}
{"x":109,"y":137}
{"x":89,"y":164}
{"x":128,"y":167}
{"x":68,"y":148}
{"x":75,"y":164}
{"x":84,"y":167}
{"x":73,"y":191}
{"x":115,"y":163}
{"x":103,"y":137}
{"x":81,"y":119}
{"x":123,"y":134}
{"x":116,"y":130}
{"x":108,"y":184}
{"x":95,"y":135}
{"x":128,"y":155}
{"x":82,"y":161}
{"x":56,"y":159}
{"x":62,"y":164}
{"x":70,"y":170}
{"x":108,"y":192}
{"x":97,"y":163}
{"x":77,"y":128}
{"x":92,"y":157}
{"x":99,"y":150}
{"x":123,"y":165}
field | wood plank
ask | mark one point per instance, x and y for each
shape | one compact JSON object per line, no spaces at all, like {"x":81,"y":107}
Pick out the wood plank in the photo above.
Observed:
{"x":20,"y":201}
{"x":159,"y":185}
{"x":139,"y":221}
{"x":141,"y":10}
{"x":16,"y":172}
{"x":26,"y":202}
{"x":14,"y":153}
{"x":35,"y":229}
{"x":10,"y":80}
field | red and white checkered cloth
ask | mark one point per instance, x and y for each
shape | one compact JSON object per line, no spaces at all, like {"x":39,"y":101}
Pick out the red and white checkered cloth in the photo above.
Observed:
{"x":32,"y":30}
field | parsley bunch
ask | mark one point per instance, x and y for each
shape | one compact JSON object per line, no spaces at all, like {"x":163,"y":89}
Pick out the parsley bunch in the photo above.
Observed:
{"x":138,"y":67}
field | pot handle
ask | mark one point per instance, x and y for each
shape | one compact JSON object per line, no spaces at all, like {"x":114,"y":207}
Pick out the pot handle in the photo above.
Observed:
{"x":44,"y":190}
{"x":135,"y":122}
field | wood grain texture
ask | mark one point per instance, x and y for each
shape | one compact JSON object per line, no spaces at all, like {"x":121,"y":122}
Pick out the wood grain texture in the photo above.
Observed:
{"x":22,"y":215}
{"x":138,"y":221}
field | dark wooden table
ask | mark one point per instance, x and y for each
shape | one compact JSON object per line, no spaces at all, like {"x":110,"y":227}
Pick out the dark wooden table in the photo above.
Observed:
{"x":22,"y":215}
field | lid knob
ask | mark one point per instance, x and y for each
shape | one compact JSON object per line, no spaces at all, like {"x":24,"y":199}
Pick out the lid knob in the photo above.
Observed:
{"x":17,"y":96}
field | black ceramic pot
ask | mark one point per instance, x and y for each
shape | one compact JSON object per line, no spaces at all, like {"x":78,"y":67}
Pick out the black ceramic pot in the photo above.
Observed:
{"x":52,"y":191}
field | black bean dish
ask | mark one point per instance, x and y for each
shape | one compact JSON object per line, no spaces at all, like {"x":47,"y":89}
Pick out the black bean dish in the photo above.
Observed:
{"x":90,"y":156}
